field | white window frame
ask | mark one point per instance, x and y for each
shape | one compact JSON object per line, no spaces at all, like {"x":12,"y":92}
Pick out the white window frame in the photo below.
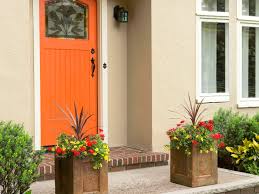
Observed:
{"x":208,"y":97}
{"x":243,"y":102}
{"x":243,"y":18}
{"x":209,"y":13}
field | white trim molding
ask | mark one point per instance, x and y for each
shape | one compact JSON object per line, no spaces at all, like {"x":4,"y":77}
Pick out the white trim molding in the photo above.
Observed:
{"x":37,"y":100}
{"x":243,"y":102}
{"x":103,"y":73}
{"x":208,"y":97}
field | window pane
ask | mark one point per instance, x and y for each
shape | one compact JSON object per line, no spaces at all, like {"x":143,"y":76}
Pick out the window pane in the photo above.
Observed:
{"x":215,"y":5}
{"x":250,"y":7}
{"x":66,"y":19}
{"x":250,"y":61}
{"x":214,"y":57}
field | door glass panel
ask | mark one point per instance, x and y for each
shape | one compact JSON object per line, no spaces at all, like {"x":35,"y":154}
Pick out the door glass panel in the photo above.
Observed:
{"x":66,"y":19}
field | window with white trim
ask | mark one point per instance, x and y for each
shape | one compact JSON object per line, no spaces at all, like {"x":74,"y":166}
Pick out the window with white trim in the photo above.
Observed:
{"x":212,"y":51}
{"x":213,"y":7}
{"x":248,"y":53}
{"x":250,"y":8}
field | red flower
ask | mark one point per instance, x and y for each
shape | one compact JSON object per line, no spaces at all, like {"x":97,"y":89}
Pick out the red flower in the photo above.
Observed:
{"x":82,"y":149}
{"x":172,"y":130}
{"x":50,"y":149}
{"x":194,"y":142}
{"x":94,"y":142}
{"x":182,"y":121}
{"x":211,"y":122}
{"x":59,"y":150}
{"x":222,"y":145}
{"x":76,"y":153}
{"x":210,"y":126}
{"x":217,"y":136}
{"x":201,"y":124}
{"x":178,"y":125}
{"x":89,"y":144}
{"x":91,"y":151}
{"x":102,"y":136}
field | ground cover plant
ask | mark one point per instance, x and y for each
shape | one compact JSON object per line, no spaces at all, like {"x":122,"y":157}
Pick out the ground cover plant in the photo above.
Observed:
{"x":18,"y":161}
{"x":246,"y":156}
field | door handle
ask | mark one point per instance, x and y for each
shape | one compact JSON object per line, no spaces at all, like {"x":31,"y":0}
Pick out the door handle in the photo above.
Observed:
{"x":92,"y":67}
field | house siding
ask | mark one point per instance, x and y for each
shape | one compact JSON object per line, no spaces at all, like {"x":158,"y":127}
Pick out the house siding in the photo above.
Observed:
{"x":117,"y":65}
{"x":139,"y":74}
{"x":16,"y":63}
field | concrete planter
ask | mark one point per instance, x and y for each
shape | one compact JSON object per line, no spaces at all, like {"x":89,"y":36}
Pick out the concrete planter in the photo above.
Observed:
{"x":195,"y":170}
{"x":75,"y":176}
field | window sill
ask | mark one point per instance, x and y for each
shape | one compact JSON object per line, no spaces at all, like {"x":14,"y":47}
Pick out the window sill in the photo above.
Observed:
{"x":248,"y":18}
{"x":252,"y":103}
{"x":213,"y":14}
{"x":216,"y":98}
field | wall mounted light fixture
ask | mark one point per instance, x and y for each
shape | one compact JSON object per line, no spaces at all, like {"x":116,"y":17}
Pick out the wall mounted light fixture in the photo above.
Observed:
{"x":121,"y":14}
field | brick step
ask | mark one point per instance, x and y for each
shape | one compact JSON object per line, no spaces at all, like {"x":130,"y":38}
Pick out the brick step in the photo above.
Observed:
{"x":122,"y":158}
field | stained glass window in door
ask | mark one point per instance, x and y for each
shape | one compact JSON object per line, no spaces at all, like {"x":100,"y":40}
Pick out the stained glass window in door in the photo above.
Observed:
{"x":66,"y":19}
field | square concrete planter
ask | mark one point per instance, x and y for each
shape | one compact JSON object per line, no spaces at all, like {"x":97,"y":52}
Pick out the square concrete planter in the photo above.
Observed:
{"x":195,"y":170}
{"x":75,"y":176}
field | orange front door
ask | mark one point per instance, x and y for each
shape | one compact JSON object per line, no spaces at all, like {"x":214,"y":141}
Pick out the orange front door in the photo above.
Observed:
{"x":68,"y":52}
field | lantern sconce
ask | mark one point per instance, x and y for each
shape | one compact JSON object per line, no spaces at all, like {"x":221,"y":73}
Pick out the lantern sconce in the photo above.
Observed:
{"x":121,"y":14}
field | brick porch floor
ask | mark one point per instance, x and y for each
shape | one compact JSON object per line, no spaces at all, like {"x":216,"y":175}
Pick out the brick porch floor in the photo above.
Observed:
{"x":122,"y":158}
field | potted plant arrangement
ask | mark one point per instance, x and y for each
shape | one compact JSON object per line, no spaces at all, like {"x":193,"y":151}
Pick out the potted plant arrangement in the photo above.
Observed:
{"x":193,"y":147}
{"x":81,"y":160}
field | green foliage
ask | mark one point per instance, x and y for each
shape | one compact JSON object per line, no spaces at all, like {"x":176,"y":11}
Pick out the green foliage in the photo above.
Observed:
{"x":18,"y":161}
{"x":232,"y":126}
{"x":235,"y":127}
{"x":186,"y":136}
{"x":93,"y":148}
{"x":246,"y":156}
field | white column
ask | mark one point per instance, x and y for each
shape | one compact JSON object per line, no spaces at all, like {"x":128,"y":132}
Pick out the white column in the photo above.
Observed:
{"x":103,"y":58}
{"x":36,"y":44}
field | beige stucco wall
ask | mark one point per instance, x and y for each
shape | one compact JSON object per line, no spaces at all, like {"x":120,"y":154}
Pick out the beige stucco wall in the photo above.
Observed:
{"x":117,"y":67}
{"x":16,"y":67}
{"x":174,"y":63}
{"x":139,"y":74}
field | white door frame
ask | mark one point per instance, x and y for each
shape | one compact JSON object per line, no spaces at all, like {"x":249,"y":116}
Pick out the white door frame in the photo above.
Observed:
{"x":103,"y":73}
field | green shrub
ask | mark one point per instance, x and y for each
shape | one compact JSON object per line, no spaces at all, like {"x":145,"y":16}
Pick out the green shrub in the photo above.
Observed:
{"x":18,"y":161}
{"x":235,"y":127}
